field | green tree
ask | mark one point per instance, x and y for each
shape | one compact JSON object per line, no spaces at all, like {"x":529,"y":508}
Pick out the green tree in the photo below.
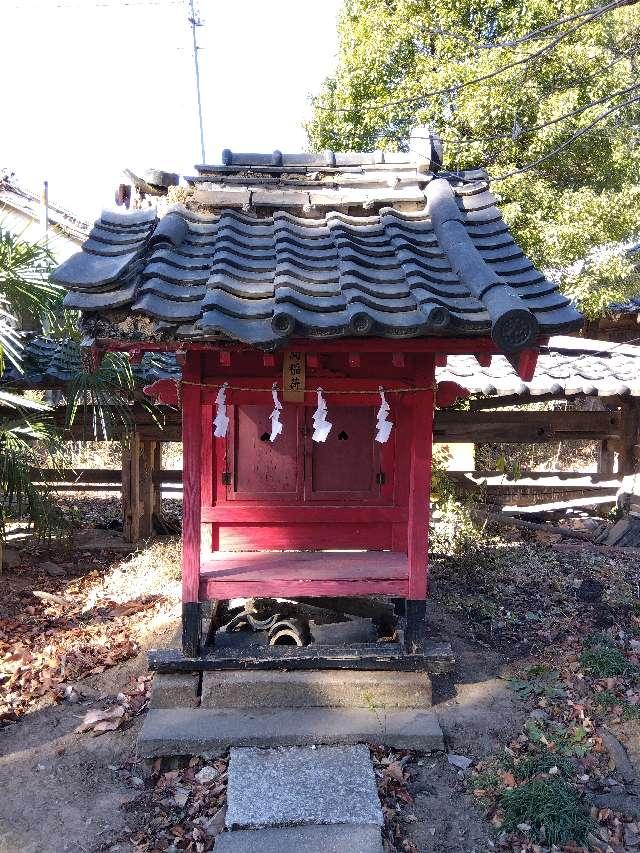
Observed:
{"x":508,"y":88}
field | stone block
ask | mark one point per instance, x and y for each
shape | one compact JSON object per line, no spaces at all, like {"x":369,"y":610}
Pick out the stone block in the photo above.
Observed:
{"x":179,"y":690}
{"x":302,"y":839}
{"x":343,"y":633}
{"x":302,"y":786}
{"x":194,"y":731}
{"x":413,"y":730}
{"x":372,"y":689}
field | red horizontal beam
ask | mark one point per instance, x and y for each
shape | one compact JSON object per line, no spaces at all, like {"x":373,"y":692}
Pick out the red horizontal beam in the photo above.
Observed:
{"x":261,"y":513}
{"x":217,"y":589}
{"x":360,"y":345}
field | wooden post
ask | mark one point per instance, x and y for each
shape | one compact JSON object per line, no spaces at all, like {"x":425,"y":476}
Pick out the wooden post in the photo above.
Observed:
{"x":131,"y":487}
{"x":419,"y":494}
{"x":191,"y":444}
{"x":629,"y":436}
{"x":605,"y":458}
{"x":135,"y":486}
{"x":147,"y":449}
{"x":157,"y":487}
{"x":126,"y":489}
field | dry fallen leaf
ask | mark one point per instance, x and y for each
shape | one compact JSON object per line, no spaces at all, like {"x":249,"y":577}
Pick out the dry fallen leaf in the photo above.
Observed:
{"x":395,"y":771}
{"x":99,"y":721}
{"x":508,"y":779}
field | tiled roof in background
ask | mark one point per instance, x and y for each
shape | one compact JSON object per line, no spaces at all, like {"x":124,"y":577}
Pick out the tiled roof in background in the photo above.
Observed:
{"x":315,"y":246}
{"x":48,"y":362}
{"x":566,"y":366}
{"x":15,"y":196}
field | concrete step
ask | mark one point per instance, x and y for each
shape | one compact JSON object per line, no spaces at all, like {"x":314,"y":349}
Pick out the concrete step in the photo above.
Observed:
{"x":175,"y":690}
{"x":370,"y":689}
{"x":193,"y":731}
{"x":301,"y":786}
{"x":302,"y":839}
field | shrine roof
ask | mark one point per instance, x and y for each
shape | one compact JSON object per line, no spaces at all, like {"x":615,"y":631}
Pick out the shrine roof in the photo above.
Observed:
{"x":315,"y":246}
{"x":566,"y":366}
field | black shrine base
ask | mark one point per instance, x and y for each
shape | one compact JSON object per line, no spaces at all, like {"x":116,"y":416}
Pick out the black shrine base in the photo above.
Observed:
{"x":407,"y":651}
{"x":435,"y":658}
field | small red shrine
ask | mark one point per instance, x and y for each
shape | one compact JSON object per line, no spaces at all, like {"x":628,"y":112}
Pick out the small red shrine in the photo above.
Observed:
{"x":328,"y":285}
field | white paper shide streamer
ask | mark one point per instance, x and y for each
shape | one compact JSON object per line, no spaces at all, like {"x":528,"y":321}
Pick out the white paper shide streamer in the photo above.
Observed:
{"x":221,"y":421}
{"x":321,"y":426}
{"x":383,"y":425}
{"x":276,"y":426}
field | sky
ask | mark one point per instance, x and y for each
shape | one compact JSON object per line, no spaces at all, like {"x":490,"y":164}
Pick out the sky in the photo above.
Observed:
{"x":93,"y":86}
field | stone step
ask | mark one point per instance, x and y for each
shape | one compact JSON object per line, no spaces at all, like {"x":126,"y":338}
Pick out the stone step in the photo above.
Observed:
{"x":372,"y":689}
{"x":301,"y":786}
{"x":175,"y":690}
{"x":302,"y":839}
{"x":193,"y":731}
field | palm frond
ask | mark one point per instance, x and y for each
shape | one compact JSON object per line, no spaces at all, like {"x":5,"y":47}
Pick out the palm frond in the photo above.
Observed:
{"x":25,"y":285}
{"x":103,"y":398}
{"x":11,"y":400}
{"x":19,"y":495}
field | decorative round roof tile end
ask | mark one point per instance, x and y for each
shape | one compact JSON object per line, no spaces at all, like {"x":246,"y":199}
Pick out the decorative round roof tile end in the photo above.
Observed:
{"x":515,"y":330}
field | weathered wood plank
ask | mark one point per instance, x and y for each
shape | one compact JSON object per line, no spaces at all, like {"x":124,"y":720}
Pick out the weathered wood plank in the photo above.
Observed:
{"x":435,"y":658}
{"x":525,"y":427}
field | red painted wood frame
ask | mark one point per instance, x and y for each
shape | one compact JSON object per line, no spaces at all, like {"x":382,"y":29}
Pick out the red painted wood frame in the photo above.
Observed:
{"x":394,"y":521}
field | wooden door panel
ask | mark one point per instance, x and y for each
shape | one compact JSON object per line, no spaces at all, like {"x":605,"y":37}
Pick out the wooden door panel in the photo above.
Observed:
{"x":346,"y":467}
{"x":260,"y":469}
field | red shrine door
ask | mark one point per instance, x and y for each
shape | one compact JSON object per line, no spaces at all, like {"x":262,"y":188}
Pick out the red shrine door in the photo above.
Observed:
{"x":295,"y":493}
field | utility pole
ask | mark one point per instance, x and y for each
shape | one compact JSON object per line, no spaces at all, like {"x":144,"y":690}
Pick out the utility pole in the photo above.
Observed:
{"x":44,"y":211}
{"x":195,"y":21}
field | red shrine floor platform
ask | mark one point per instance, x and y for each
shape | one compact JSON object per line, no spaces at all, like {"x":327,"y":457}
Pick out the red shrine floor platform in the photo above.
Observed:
{"x":233,"y":574}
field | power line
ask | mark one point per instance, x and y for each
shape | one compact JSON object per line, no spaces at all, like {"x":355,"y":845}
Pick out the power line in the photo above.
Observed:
{"x":567,"y":142}
{"x":535,"y":127}
{"x":531,"y":36}
{"x":448,"y":90}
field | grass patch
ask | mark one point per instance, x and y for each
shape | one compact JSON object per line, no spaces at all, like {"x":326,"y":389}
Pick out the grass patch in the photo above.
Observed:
{"x":552,"y":808}
{"x":542,"y":763}
{"x":605,"y":662}
{"x":600,"y":638}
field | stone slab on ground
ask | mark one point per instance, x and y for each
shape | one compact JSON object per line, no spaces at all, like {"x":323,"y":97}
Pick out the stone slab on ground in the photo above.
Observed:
{"x":193,"y":731}
{"x":301,"y":786}
{"x":342,"y":633}
{"x":315,"y":689}
{"x":175,"y":690}
{"x":302,"y":839}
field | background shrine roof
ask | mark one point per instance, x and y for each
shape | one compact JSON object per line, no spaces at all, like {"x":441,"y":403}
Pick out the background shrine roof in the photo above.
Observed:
{"x":316,"y":246}
{"x":566,"y":366}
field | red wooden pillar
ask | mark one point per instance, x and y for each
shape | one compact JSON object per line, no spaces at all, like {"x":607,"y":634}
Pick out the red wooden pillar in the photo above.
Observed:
{"x":191,"y":448}
{"x":419,"y":508}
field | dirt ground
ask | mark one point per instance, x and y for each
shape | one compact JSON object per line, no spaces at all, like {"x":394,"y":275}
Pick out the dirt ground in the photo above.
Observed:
{"x":62,"y":792}
{"x":69,"y":791}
